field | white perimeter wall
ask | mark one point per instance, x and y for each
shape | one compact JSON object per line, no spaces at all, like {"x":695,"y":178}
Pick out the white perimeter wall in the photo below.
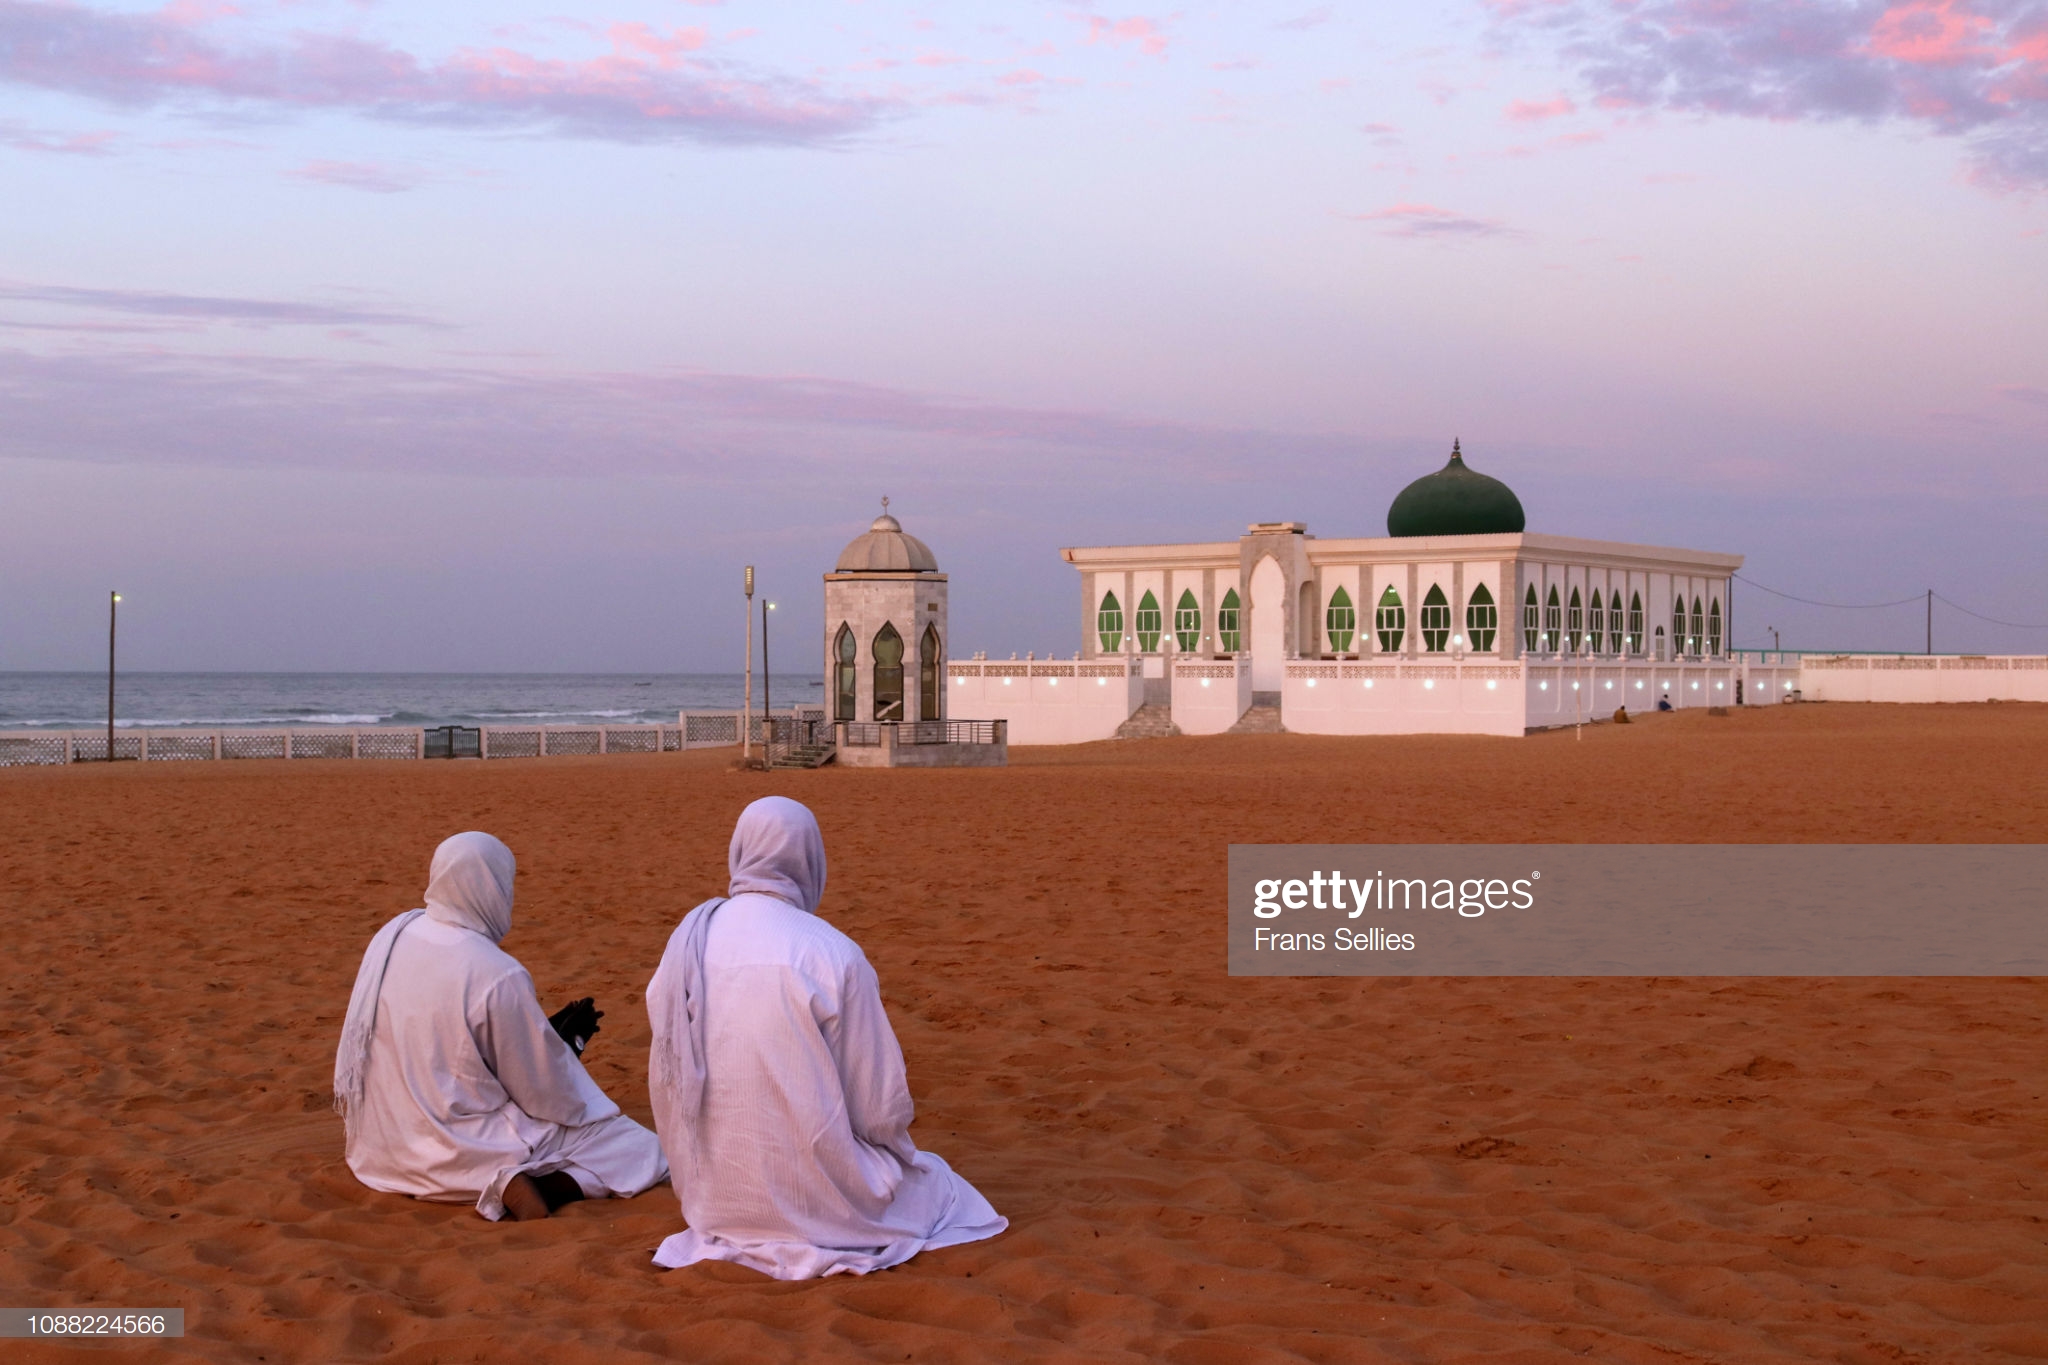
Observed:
{"x":1049,"y":701}
{"x":1403,"y":699}
{"x":1208,"y":697}
{"x":1923,"y":678}
{"x":1560,"y":694}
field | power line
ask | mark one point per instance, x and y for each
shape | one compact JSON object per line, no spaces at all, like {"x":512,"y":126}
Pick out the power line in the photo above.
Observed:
{"x":1840,"y":606}
{"x":2016,"y":625}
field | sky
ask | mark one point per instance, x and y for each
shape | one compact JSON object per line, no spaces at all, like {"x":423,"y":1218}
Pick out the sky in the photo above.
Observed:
{"x":347,"y":335}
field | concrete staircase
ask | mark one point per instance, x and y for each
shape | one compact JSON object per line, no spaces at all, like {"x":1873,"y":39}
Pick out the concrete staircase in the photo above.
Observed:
{"x":1150,"y":721}
{"x":802,"y":756}
{"x":1262,"y":717}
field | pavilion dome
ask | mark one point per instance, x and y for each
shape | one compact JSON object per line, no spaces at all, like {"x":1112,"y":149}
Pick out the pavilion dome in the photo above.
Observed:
{"x":1455,"y":501}
{"x":886,"y":548}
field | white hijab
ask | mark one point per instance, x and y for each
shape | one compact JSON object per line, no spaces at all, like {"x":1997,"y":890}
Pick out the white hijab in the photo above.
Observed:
{"x":469,"y":886}
{"x":776,"y":851}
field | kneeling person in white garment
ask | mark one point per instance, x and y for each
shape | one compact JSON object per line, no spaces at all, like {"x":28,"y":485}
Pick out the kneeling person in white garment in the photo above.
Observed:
{"x":778,"y":1085}
{"x":453,"y":1085}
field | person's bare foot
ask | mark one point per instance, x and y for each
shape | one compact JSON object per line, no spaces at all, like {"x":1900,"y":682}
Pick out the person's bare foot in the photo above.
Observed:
{"x":523,"y":1200}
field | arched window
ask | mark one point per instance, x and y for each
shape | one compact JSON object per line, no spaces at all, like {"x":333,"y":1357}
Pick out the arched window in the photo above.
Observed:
{"x":1340,"y":622}
{"x":928,"y":674}
{"x":1109,"y":624}
{"x":1227,"y":633}
{"x":1714,"y":627}
{"x":843,"y":651}
{"x":1187,"y":622}
{"x":1481,"y":619}
{"x":1574,"y":621}
{"x":1553,"y":623}
{"x":1616,"y":641}
{"x":1531,"y":627}
{"x":1677,"y":627}
{"x":1146,"y":622}
{"x":1436,"y":620}
{"x":1699,"y":627}
{"x":1596,"y":624}
{"x":1635,"y":622}
{"x":1660,"y":644}
{"x":888,"y":674}
{"x":1391,"y":621}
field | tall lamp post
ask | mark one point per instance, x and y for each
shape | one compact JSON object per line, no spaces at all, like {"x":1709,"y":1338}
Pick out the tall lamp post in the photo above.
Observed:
{"x":113,"y":616}
{"x":747,"y":706}
{"x":767,"y":707}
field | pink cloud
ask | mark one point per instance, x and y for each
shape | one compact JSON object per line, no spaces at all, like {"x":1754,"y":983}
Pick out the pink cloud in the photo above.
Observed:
{"x":1023,"y":77}
{"x":1429,"y":221}
{"x":1531,"y":111}
{"x":1146,"y":33}
{"x":643,"y":90}
{"x":357,"y":175}
{"x":21,"y":138}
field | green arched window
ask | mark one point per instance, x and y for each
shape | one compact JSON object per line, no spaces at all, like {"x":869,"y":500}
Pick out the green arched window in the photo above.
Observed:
{"x":888,"y":674}
{"x":1699,"y":626}
{"x":1228,"y":637}
{"x":1532,"y":627}
{"x":1187,"y":622}
{"x":844,"y":649}
{"x":1714,"y":627}
{"x":1482,"y":619}
{"x":1436,"y":620}
{"x":1635,"y":623}
{"x":1340,"y":622}
{"x":1573,"y":622}
{"x":1596,"y":623}
{"x":1678,"y":628}
{"x":1109,"y":624}
{"x":1146,"y":623}
{"x":1391,"y":621}
{"x":1553,"y":623}
{"x":928,"y":675}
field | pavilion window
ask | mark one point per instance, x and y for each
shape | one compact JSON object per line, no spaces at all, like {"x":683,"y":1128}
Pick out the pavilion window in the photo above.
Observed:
{"x":928,"y":675}
{"x":1553,"y":623}
{"x":1391,"y":621}
{"x":1227,"y":633}
{"x":1148,"y":623}
{"x":1699,"y":627}
{"x":1635,"y":622}
{"x":888,"y":674}
{"x":1436,"y":620}
{"x":1340,"y":622}
{"x":1482,"y":619}
{"x":1596,"y":624}
{"x":1532,"y":628}
{"x":1187,"y":622}
{"x":1109,"y":624}
{"x":844,"y":649}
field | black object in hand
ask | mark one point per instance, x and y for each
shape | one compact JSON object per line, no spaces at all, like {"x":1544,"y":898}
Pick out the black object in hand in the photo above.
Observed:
{"x":577,"y":1022}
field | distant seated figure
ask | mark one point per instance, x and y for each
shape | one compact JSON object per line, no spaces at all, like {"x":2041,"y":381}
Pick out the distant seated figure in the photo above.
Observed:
{"x":452,"y":1083}
{"x":778,"y":1085}
{"x":1621,"y":715}
{"x":1664,"y":702}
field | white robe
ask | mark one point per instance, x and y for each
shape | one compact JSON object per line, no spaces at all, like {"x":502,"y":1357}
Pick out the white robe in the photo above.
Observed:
{"x":800,"y":1162}
{"x":467,"y":1085}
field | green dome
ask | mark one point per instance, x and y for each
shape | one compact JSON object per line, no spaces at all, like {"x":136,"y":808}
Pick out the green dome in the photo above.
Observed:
{"x":1454,"y":501}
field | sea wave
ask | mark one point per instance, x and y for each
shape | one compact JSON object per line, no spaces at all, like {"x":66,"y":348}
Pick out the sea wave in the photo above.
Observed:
{"x":188,"y":722}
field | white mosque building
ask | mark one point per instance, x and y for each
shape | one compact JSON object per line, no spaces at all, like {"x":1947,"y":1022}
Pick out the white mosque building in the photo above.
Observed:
{"x":1458,"y":620}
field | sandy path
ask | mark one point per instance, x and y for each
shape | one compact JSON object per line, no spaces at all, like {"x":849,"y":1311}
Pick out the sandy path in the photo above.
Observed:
{"x":1196,"y":1168}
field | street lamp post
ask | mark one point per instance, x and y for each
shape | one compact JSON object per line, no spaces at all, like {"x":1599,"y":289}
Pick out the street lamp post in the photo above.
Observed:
{"x":767,"y":707}
{"x":747,"y":706}
{"x":113,"y":615}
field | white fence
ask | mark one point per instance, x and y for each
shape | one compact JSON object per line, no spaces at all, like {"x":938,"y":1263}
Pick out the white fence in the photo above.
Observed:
{"x":1046,"y":701}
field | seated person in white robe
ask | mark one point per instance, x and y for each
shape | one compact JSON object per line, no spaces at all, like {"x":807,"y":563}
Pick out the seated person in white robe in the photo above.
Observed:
{"x":453,"y":1084}
{"x":778,"y":1085}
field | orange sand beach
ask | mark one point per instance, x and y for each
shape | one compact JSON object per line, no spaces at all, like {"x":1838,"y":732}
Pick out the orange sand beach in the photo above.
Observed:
{"x":1196,"y":1168}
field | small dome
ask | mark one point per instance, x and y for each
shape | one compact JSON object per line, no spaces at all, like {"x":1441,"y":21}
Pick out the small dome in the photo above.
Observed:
{"x":1455,"y":501}
{"x":885,"y":548}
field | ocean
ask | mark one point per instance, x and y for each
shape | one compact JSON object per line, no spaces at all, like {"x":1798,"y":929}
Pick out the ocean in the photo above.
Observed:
{"x":78,"y":701}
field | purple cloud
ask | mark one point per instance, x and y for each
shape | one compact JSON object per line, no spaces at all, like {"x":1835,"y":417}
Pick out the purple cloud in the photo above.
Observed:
{"x":151,"y":303}
{"x":358,"y":175}
{"x":23,"y":138}
{"x":650,"y":87}
{"x":2029,"y":394}
{"x":1430,"y":222}
{"x":1973,"y":69}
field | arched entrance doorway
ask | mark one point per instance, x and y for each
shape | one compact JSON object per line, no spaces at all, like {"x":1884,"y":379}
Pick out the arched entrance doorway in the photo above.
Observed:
{"x":1269,"y":625}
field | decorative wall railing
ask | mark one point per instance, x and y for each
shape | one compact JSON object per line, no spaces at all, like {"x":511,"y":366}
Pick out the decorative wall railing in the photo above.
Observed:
{"x":26,"y":748}
{"x":1036,"y":668}
{"x":869,"y":734}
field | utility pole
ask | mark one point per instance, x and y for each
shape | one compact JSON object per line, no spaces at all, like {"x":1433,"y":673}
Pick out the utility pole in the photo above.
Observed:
{"x":747,"y":706}
{"x":1930,"y":620}
{"x":113,"y":614}
{"x":767,"y":706}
